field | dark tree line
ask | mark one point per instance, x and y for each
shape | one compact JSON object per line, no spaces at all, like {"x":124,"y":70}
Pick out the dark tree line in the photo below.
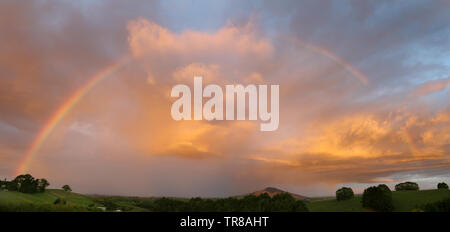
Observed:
{"x":25,"y":184}
{"x":283,"y":202}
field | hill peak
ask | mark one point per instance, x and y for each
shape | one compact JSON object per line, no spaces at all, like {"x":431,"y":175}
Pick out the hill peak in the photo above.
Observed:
{"x":272,"y":191}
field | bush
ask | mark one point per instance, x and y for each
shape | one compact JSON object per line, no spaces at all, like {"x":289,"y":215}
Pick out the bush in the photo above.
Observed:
{"x":377,"y":198}
{"x":59,"y":201}
{"x":406,"y":186}
{"x":442,"y":186}
{"x":344,"y":193}
{"x":440,"y":206}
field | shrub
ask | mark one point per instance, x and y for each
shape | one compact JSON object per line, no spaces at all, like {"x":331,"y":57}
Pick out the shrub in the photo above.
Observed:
{"x":406,"y":186}
{"x":59,"y":201}
{"x":344,"y":193}
{"x":377,"y":198}
{"x":440,"y":206}
{"x":442,"y":186}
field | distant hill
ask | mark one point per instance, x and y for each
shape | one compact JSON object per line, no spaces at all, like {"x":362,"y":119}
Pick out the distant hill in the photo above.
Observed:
{"x":271,"y":191}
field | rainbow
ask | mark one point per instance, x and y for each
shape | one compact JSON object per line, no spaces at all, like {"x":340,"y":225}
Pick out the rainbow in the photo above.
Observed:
{"x":340,"y":61}
{"x":62,"y":111}
{"x":355,"y":72}
{"x":412,"y":144}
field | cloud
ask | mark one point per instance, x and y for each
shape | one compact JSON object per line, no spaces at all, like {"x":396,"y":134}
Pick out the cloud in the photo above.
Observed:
{"x":210,"y":73}
{"x":147,"y":37}
{"x":83,"y":128}
{"x":361,"y":148}
{"x":432,"y":87}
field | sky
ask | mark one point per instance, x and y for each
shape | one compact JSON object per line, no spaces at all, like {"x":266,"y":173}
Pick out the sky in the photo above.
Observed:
{"x":85,"y":94}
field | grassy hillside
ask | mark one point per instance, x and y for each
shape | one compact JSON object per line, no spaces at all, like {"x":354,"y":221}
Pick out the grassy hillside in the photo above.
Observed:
{"x":409,"y":200}
{"x":17,"y":201}
{"x":404,"y":201}
{"x":332,"y":205}
{"x":49,"y":196}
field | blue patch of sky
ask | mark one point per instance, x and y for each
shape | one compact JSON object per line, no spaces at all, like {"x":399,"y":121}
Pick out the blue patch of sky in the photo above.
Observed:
{"x":198,"y":15}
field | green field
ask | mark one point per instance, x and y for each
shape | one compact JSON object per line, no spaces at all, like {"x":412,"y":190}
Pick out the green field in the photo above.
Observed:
{"x":17,"y":201}
{"x":332,"y":205}
{"x":405,"y":201}
{"x":49,"y":196}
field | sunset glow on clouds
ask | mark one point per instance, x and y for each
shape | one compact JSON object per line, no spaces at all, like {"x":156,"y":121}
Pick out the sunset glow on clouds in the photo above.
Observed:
{"x":364,"y":94}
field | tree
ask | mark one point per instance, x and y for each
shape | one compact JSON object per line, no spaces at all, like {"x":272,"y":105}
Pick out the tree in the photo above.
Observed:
{"x":442,"y":185}
{"x":385,"y":189}
{"x":11,"y":186}
{"x":26,"y":183}
{"x":406,"y":186}
{"x":344,"y":193}
{"x":42,"y":184}
{"x":3,"y":184}
{"x":377,"y":198}
{"x":67,"y":188}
